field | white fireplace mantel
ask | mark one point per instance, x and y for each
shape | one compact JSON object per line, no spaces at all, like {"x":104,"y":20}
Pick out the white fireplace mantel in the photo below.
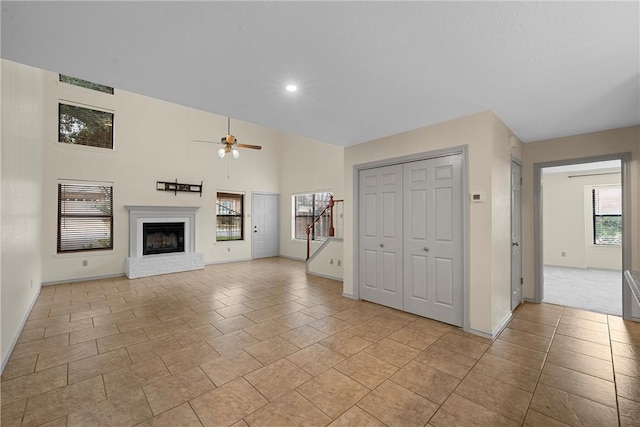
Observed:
{"x":138,"y":265}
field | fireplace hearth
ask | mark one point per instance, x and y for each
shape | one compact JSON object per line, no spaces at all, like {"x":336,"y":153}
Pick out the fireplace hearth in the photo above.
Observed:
{"x":162,"y":237}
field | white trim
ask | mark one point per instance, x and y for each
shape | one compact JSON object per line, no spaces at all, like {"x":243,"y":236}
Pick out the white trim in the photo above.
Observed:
{"x":227,"y":261}
{"x":480,"y":334}
{"x":84,"y":279}
{"x":151,"y":213}
{"x":501,"y":325}
{"x":625,"y":180}
{"x":14,"y":341}
{"x":346,"y":295}
{"x":326,"y":276}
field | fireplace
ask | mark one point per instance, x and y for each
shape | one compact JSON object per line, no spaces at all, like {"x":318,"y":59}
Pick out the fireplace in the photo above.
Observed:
{"x":162,"y":240}
{"x":162,"y":237}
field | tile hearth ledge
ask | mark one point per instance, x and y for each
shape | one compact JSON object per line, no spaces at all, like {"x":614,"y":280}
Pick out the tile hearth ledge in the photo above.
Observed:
{"x":137,"y":265}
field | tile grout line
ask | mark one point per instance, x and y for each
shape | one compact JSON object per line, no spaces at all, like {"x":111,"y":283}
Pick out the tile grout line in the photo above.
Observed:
{"x":615,"y":383}
{"x":544,"y":362}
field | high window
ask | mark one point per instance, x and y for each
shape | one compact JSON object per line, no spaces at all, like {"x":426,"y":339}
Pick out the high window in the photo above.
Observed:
{"x":607,"y":215}
{"x":86,"y":84}
{"x":305,"y":208}
{"x":85,"y":217}
{"x":229,"y":218}
{"x":85,"y":126}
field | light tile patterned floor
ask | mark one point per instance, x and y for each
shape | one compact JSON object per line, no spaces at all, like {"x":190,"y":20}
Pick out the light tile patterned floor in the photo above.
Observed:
{"x":261,"y":343}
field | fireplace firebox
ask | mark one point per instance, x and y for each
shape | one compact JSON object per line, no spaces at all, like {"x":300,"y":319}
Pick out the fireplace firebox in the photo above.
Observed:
{"x":162,"y":237}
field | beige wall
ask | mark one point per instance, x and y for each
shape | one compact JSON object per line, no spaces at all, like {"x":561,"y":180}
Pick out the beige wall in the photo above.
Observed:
{"x":568,"y":227}
{"x":22,"y":109}
{"x":625,"y":140}
{"x":488,"y":145}
{"x":307,"y":167}
{"x":154,"y":142}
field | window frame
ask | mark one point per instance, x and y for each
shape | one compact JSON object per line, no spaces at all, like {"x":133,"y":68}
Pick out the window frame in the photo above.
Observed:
{"x":238,"y":216}
{"x":313,"y":236}
{"x":63,"y":215}
{"x":62,"y":102}
{"x":595,"y":216}
{"x":86,"y":84}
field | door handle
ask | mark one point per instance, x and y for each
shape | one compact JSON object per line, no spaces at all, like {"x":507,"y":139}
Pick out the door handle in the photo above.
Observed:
{"x":382,"y":245}
{"x":426,"y":249}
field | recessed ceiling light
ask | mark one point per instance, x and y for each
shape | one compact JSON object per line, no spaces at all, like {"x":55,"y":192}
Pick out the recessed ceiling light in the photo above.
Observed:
{"x":292,"y":88}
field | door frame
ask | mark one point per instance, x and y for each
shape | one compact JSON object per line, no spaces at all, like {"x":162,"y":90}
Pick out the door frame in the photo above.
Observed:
{"x":517,"y":161}
{"x":462,"y":151}
{"x":625,"y":179}
{"x":264,"y":193}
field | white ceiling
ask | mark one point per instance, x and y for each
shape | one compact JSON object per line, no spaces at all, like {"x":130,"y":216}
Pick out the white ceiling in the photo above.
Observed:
{"x":365,"y":69}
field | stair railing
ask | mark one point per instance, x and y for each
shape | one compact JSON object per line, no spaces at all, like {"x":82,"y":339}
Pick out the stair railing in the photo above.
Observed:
{"x":311,"y":226}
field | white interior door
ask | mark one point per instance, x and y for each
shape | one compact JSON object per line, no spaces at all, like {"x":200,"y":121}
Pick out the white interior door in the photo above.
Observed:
{"x":516,"y":233}
{"x":380,"y":236}
{"x":264,"y":227}
{"x":433,"y":285}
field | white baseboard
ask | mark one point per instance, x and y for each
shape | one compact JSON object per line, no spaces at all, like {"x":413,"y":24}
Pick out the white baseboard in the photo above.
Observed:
{"x":346,"y":295}
{"x":83,"y":279}
{"x":295,"y":258}
{"x":325,"y":276}
{"x":480,"y":333}
{"x":5,"y":359}
{"x":503,"y":324}
{"x":227,"y":261}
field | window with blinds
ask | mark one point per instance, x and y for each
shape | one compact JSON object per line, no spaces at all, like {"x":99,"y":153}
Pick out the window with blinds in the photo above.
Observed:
{"x":607,"y":215}
{"x":85,"y":126}
{"x":229,"y":218}
{"x":86,"y":84}
{"x":85,"y":217}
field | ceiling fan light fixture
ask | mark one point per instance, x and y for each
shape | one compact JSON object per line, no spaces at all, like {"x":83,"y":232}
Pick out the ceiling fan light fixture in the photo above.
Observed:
{"x":291,"y":88}
{"x":235,"y":153}
{"x":221,"y":153}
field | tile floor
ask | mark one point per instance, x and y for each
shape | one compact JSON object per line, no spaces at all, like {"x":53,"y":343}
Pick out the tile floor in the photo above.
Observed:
{"x":260,"y":343}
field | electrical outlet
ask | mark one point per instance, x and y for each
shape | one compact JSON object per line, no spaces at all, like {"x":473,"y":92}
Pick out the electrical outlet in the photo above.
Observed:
{"x":563,"y":253}
{"x":228,"y":249}
{"x":85,"y":262}
{"x":331,"y":261}
{"x":339,"y":263}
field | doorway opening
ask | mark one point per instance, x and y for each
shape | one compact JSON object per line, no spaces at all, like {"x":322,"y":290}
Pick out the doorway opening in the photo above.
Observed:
{"x":581,"y":242}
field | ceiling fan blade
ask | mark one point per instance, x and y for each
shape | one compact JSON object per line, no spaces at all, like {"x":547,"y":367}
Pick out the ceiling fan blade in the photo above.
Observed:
{"x":202,"y":140}
{"x":253,"y":147}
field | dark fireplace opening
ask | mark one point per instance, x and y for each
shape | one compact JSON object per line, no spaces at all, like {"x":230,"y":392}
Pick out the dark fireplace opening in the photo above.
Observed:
{"x":162,"y":237}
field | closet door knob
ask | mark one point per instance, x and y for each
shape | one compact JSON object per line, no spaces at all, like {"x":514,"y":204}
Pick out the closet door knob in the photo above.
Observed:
{"x":426,"y":249}
{"x":382,"y":245}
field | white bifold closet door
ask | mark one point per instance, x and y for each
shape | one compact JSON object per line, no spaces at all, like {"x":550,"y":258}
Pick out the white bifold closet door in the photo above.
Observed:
{"x":380,"y":229}
{"x":421,"y":236}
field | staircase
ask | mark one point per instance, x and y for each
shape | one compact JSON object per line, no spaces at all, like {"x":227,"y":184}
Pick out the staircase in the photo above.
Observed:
{"x":325,"y":260}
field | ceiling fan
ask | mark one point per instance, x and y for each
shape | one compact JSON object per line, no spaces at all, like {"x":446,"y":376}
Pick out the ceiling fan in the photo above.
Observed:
{"x":230,"y":143}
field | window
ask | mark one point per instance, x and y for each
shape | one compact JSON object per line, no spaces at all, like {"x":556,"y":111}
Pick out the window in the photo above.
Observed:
{"x":84,"y":126}
{"x":306,"y":208}
{"x":86,"y":84}
{"x":229,"y":219}
{"x":607,"y":215}
{"x":85,"y":217}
